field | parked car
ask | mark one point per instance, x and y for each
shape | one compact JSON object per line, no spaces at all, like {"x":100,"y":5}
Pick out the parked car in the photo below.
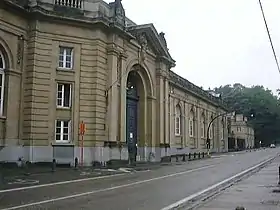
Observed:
{"x":272,"y":146}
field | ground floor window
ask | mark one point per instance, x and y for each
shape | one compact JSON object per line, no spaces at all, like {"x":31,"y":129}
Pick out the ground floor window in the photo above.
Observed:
{"x":63,"y":130}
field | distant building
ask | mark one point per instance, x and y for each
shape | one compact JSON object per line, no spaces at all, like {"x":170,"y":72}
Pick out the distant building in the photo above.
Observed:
{"x":64,"y":62}
{"x":241,"y":135}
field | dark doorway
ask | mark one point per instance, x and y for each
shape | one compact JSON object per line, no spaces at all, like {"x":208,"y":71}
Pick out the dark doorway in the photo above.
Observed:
{"x":132,"y":99}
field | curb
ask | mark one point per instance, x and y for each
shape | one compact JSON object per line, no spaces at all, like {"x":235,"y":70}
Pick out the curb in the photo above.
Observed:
{"x":196,"y":199}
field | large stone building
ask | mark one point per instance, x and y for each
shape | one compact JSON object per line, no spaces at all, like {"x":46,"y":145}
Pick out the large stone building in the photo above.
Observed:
{"x":241,"y":133}
{"x":64,"y":62}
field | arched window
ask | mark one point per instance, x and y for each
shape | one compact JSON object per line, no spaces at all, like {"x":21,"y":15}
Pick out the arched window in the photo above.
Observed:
{"x":178,"y":120}
{"x":203,"y":126}
{"x":211,"y":129}
{"x":191,"y":124}
{"x":2,"y":82}
{"x":222,"y":129}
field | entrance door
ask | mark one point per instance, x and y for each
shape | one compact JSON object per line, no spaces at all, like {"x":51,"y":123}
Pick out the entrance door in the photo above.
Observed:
{"x":131,"y":124}
{"x":131,"y":116}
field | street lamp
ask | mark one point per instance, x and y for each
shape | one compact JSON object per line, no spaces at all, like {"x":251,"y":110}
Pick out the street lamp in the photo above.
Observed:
{"x":208,"y":144}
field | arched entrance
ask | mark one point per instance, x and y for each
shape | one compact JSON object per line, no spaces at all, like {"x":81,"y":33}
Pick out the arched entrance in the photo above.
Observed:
{"x":138,"y":112}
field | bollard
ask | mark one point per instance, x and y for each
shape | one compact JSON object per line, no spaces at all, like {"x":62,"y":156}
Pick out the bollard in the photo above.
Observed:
{"x":184,"y":158}
{"x":199,"y":155}
{"x":279,"y":175}
{"x":53,"y":165}
{"x":194,"y":155}
{"x":190,"y":156}
{"x":76,"y":163}
{"x":202,"y":154}
{"x":177,"y":160}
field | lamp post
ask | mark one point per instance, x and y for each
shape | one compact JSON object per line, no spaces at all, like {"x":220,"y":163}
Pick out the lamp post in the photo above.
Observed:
{"x":208,"y":144}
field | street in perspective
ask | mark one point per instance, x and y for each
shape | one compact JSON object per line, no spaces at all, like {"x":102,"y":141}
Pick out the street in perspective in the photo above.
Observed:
{"x":98,"y":112}
{"x":181,"y":184}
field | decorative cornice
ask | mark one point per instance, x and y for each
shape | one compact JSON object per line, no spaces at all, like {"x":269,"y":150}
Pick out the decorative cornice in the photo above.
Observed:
{"x":192,"y":88}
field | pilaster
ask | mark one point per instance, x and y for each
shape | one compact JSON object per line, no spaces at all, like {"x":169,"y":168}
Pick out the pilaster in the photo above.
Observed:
{"x":187,"y":118}
{"x":112,"y":94}
{"x":122,"y":98}
{"x":166,"y":112}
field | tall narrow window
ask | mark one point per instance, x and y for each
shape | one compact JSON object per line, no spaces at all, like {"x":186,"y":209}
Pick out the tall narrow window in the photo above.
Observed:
{"x":63,"y":130}
{"x":211,"y":129}
{"x":191,"y":125}
{"x":177,"y":121}
{"x":223,"y":130}
{"x":2,"y":82}
{"x":202,"y":126}
{"x":63,"y":95}
{"x":65,"y":58}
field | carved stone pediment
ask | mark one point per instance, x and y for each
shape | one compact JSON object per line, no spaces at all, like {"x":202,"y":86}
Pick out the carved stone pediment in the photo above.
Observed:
{"x":149,"y":39}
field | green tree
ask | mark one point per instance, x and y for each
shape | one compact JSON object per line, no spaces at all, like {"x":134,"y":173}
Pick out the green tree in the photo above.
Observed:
{"x":258,"y":100}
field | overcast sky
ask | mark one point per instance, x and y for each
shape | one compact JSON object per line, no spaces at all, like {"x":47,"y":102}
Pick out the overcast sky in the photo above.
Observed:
{"x":216,"y":42}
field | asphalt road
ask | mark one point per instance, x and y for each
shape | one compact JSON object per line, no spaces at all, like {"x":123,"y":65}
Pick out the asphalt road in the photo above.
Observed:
{"x":145,"y":190}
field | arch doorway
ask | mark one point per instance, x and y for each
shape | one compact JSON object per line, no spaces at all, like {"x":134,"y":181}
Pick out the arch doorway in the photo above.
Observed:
{"x":137,"y":112}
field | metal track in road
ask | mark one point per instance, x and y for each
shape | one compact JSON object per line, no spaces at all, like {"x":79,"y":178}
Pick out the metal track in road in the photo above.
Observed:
{"x":193,"y":201}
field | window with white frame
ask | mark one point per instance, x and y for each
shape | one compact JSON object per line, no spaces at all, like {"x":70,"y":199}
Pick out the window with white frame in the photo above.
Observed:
{"x":65,"y":58}
{"x":191,"y":125}
{"x":63,"y":95}
{"x":177,"y":121}
{"x":2,"y":82}
{"x":63,"y":131}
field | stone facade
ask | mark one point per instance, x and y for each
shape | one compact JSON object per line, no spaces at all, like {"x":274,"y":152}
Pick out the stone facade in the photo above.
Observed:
{"x":73,"y":61}
{"x":241,"y":134}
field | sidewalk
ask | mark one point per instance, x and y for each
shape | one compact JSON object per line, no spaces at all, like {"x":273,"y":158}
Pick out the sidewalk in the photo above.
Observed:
{"x":258,"y":192}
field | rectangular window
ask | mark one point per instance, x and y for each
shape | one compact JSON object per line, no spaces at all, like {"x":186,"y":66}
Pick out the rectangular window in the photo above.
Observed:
{"x":62,"y":131}
{"x":64,"y":95}
{"x":191,"y":128}
{"x":177,"y":126}
{"x":1,"y":93}
{"x":65,"y":58}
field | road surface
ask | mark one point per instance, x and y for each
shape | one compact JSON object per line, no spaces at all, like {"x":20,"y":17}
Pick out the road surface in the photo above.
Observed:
{"x":155,"y":189}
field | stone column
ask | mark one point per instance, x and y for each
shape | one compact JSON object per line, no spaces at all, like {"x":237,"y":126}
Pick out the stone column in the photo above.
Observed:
{"x":122,"y":98}
{"x":187,"y":117}
{"x":166,"y":111}
{"x":161,"y":111}
{"x":198,"y":128}
{"x":183,"y":126}
{"x":112,"y":94}
{"x":152,"y":144}
{"x":122,"y":105}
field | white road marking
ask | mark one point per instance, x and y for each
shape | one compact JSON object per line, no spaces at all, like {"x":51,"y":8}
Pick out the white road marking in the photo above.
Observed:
{"x":125,"y":170}
{"x":191,"y":197}
{"x":59,"y":183}
{"x":24,"y":181}
{"x":106,"y":189}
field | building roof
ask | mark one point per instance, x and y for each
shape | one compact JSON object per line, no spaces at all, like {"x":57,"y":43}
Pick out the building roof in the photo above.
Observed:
{"x":195,"y":90}
{"x":113,"y":15}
